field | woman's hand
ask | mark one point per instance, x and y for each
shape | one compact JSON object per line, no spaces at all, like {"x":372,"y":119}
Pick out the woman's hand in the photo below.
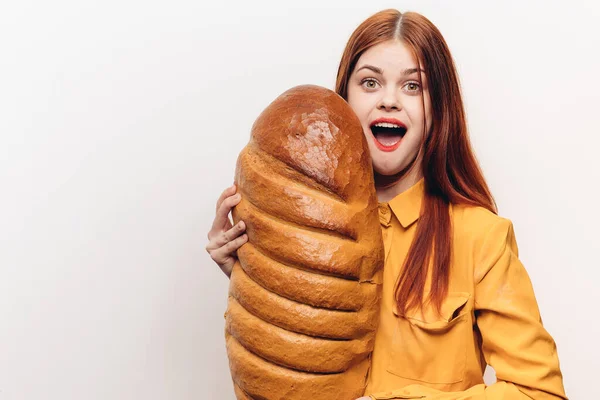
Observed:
{"x":224,"y":238}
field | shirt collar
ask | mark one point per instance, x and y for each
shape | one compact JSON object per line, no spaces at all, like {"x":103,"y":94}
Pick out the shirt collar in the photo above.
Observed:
{"x":407,"y":205}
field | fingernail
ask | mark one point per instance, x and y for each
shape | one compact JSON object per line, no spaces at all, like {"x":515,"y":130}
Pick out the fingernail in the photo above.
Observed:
{"x":238,"y":196}
{"x":241,"y":224}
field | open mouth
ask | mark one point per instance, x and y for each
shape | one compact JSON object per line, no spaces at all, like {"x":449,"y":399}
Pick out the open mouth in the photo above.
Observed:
{"x":388,"y":136}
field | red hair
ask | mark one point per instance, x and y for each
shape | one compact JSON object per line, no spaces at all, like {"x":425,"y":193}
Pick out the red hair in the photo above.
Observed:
{"x":450,"y":170}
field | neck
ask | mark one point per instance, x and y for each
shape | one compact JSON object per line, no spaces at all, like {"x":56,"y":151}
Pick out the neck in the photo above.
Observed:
{"x":386,"y":193}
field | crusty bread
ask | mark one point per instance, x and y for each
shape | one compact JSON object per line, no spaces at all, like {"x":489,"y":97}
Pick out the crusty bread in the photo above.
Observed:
{"x":304,"y":296}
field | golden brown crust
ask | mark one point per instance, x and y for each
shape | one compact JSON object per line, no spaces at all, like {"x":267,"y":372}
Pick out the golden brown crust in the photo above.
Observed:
{"x":315,"y":132}
{"x":316,"y":289}
{"x":240,"y":394}
{"x":304,"y":295}
{"x":316,"y":251}
{"x":266,"y":380}
{"x":290,"y":198}
{"x":298,"y":317}
{"x":309,"y":353}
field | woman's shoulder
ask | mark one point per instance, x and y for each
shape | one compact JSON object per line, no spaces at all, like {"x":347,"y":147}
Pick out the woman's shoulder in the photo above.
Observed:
{"x":481,"y":235}
{"x":478,"y":222}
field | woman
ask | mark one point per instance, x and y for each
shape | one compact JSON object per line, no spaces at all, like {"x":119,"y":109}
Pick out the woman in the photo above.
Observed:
{"x":455,"y":295}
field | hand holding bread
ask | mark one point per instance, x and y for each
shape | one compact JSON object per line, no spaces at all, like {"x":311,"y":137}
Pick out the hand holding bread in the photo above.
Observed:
{"x":224,"y":237}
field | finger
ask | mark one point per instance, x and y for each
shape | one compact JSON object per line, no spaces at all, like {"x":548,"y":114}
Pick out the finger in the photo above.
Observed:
{"x":224,"y":256}
{"x":221,"y":254}
{"x":230,"y":191}
{"x":221,"y":221}
{"x":231,"y":234}
{"x":227,"y":267}
{"x":235,"y":243}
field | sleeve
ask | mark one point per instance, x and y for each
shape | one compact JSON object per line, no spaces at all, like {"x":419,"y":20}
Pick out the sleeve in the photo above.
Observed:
{"x":514,"y":341}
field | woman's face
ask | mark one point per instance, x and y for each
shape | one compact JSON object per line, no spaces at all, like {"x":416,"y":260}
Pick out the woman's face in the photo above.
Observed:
{"x":384,"y":91}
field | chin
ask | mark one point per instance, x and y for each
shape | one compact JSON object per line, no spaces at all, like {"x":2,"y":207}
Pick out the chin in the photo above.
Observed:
{"x":388,"y":163}
{"x":388,"y":170}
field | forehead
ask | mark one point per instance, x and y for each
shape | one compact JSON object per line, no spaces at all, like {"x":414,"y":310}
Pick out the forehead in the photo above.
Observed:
{"x":391,"y":56}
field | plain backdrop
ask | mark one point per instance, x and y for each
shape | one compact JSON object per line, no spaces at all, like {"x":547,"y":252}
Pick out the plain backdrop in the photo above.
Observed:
{"x":120,"y":125}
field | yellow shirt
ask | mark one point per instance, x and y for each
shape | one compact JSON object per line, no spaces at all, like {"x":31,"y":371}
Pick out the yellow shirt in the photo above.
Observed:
{"x":490,"y":316}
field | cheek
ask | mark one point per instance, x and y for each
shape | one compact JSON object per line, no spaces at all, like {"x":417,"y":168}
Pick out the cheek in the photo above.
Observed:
{"x":360,"y":111}
{"x":354,"y":102}
{"x":416,"y":115}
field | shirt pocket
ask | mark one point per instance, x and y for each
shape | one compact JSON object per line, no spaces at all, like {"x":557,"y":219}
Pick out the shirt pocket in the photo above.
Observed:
{"x":431,"y":347}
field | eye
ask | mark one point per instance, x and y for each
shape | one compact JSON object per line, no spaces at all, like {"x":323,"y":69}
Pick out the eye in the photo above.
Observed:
{"x":413,"y":87}
{"x":368,"y":81}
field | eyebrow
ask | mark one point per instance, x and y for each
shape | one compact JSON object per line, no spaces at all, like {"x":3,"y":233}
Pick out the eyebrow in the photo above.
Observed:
{"x":406,"y":71}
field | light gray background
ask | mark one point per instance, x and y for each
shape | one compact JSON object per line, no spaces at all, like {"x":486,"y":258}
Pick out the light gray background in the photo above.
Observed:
{"x":121,"y":123}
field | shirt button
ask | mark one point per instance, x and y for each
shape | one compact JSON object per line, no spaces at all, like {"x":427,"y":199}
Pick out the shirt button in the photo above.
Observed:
{"x":384,"y":214}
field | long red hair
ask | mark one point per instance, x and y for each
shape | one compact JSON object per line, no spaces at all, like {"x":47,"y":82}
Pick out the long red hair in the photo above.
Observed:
{"x":451,"y":171}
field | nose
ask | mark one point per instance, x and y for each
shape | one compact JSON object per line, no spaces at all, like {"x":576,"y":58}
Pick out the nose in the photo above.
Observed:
{"x":389,"y":101}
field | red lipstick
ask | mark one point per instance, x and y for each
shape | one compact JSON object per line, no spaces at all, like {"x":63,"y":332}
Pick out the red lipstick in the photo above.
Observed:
{"x":381,"y":146}
{"x":389,"y":121}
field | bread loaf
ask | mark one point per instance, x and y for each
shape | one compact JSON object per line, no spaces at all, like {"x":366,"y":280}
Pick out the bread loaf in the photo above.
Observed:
{"x":304,"y":296}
